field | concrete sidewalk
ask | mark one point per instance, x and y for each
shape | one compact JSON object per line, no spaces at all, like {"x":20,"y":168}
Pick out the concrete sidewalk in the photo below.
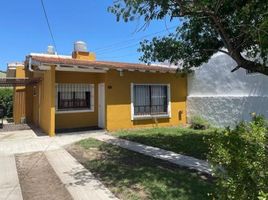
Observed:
{"x":80,"y":183}
{"x":178,"y":159}
{"x":9,"y":181}
{"x":27,"y":141}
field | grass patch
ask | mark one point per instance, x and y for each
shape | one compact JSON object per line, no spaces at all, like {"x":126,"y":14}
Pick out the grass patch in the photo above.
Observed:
{"x":180,"y":140}
{"x":133,"y":176}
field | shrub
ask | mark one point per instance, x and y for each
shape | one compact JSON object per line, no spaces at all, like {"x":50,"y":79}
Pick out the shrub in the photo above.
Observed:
{"x":242,"y":155}
{"x":6,"y":100}
{"x":199,"y":123}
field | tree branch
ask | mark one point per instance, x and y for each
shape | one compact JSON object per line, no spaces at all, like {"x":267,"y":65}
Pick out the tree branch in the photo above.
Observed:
{"x":220,"y":50}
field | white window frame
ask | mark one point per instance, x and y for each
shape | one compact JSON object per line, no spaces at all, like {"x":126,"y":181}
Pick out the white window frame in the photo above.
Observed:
{"x":92,"y":98}
{"x":136,"y":117}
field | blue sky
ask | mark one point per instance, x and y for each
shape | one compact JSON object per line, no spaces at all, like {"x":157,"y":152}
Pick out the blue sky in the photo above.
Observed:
{"x":24,"y":29}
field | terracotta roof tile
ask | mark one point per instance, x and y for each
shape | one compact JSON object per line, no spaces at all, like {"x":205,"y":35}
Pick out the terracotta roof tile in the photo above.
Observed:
{"x":98,"y":64}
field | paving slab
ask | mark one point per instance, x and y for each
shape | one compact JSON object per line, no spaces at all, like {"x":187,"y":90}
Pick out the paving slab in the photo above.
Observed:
{"x":17,"y":135}
{"x":9,"y":181}
{"x":27,"y":141}
{"x":175,"y":158}
{"x":80,"y":182}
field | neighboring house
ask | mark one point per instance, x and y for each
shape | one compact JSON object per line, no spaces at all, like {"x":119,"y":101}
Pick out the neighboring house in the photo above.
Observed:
{"x":2,"y":74}
{"x":77,"y":91}
{"x":225,"y":98}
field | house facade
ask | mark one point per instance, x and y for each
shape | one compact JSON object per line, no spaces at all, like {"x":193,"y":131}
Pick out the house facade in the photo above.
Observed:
{"x":78,"y":92}
{"x":225,"y":98}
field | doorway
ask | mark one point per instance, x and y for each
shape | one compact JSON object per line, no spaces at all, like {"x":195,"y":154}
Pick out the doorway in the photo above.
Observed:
{"x":101,"y":105}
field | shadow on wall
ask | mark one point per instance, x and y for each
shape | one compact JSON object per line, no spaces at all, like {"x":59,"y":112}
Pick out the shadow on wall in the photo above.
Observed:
{"x":227,"y":111}
{"x":225,"y":98}
{"x":216,"y":78}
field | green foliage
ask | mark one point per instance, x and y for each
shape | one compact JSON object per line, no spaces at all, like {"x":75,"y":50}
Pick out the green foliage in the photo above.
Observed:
{"x":242,"y":154}
{"x":205,"y":27}
{"x":199,"y":123}
{"x":181,"y":140}
{"x":6,"y":100}
{"x":133,"y":176}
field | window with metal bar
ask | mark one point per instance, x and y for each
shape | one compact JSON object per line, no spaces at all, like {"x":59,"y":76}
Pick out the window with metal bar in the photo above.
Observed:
{"x":150,"y":100}
{"x":74,"y":97}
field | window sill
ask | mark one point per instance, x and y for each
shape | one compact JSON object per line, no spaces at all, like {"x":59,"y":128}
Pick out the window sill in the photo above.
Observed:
{"x":73,"y":111}
{"x":151,"y":117}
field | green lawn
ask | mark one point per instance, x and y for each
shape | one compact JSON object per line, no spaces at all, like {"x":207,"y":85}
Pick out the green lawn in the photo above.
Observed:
{"x":180,"y":140}
{"x":132,"y":176}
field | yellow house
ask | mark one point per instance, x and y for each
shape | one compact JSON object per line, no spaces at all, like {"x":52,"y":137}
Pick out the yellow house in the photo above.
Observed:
{"x":78,"y":92}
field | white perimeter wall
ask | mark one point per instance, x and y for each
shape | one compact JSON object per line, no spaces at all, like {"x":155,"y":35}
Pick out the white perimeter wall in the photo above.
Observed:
{"x":223,"y":97}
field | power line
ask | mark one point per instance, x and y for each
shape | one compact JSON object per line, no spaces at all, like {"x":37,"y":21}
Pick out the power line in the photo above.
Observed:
{"x":107,"y":47}
{"x":48,"y":24}
{"x":120,"y":48}
{"x":116,"y":57}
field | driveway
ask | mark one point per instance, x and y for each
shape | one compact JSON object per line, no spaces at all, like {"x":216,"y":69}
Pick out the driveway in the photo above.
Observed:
{"x":37,"y":167}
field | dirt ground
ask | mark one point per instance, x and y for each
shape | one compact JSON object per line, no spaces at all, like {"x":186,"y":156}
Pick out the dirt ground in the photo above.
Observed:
{"x":38,"y":180}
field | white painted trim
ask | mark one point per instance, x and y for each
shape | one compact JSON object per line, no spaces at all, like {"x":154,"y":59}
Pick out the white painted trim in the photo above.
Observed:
{"x":101,"y":102}
{"x":151,"y":117}
{"x":70,"y":68}
{"x":92,"y":97}
{"x":50,"y":55}
{"x":73,"y":111}
{"x":133,"y":117}
{"x":43,"y":67}
{"x":132,"y":100}
{"x":169,"y":100}
{"x":77,"y":69}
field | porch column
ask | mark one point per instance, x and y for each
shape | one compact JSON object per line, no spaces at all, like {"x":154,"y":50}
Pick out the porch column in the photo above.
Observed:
{"x":47,"y":104}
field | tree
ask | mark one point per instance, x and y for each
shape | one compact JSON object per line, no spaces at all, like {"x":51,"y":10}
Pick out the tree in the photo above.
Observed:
{"x":238,"y":28}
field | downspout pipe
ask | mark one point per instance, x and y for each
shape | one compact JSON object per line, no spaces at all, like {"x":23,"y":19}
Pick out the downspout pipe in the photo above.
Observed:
{"x":30,"y":65}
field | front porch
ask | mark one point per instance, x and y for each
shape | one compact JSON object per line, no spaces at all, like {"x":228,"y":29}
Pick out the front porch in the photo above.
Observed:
{"x":79,"y":100}
{"x":68,"y":98}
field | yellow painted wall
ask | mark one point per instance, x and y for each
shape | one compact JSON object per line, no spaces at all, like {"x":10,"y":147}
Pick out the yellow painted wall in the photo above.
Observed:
{"x":19,"y":97}
{"x":84,"y":56}
{"x":29,"y":100}
{"x":44,"y":101}
{"x":118,"y":99}
{"x":36,"y":92}
{"x":78,"y":120}
{"x":117,"y":96}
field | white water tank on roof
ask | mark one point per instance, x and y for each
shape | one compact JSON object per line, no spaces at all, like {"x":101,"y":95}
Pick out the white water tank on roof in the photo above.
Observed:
{"x":51,"y":50}
{"x":80,"y":46}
